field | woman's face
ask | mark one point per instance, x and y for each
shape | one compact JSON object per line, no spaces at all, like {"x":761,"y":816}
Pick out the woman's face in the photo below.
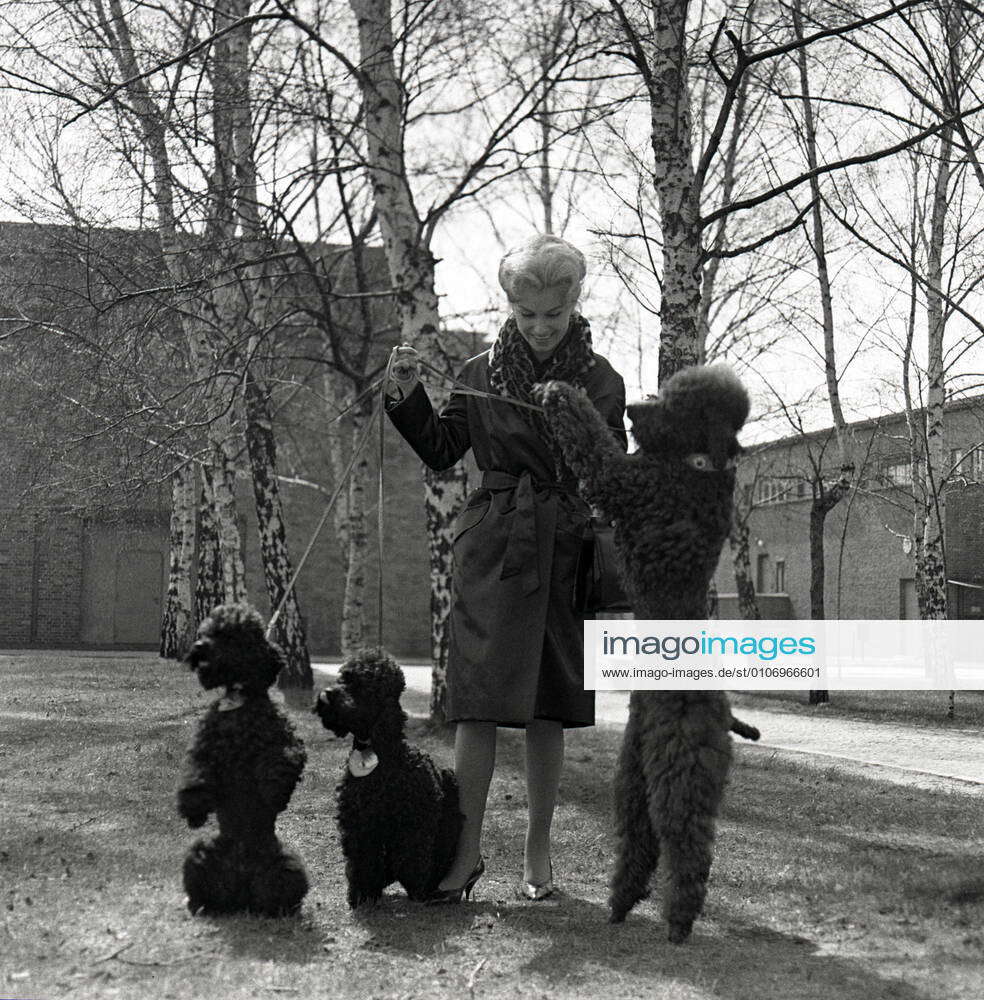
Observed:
{"x":543,"y":317}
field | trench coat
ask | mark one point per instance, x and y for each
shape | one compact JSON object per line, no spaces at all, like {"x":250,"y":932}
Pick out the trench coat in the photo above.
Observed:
{"x":516,"y":641}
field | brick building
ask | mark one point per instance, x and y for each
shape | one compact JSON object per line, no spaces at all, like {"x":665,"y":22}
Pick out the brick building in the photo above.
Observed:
{"x":868,"y":536}
{"x":88,"y":567}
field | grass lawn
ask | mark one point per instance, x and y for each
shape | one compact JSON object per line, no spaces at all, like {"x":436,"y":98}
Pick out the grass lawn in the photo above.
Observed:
{"x":913,"y":708}
{"x":824,"y":885}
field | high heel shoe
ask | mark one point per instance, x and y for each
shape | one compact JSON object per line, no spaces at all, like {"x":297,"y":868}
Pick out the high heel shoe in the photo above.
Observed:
{"x":535,"y":891}
{"x":441,"y":896}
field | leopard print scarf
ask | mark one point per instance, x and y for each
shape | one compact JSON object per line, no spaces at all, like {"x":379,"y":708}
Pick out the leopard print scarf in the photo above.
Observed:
{"x":514,"y":369}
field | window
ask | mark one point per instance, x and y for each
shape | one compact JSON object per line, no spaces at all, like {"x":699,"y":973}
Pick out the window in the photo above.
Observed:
{"x":766,"y":490}
{"x":780,"y":577}
{"x":967,"y":463}
{"x":761,"y":571}
{"x":773,"y":489}
{"x":898,"y":472}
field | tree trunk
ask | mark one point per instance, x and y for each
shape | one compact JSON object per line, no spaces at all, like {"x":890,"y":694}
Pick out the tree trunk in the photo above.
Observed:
{"x":154,"y":126}
{"x":720,"y":240}
{"x":931,"y":569}
{"x":824,"y":501}
{"x":411,"y":268}
{"x":289,"y":631}
{"x":818,"y":516}
{"x":349,"y":514}
{"x":679,"y":200}
{"x":712,"y":604}
{"x":337,"y":398}
{"x":353,"y":625}
{"x":177,"y":625}
{"x":245,"y":305}
{"x":209,"y":589}
{"x":744,"y":583}
{"x":227,"y":515}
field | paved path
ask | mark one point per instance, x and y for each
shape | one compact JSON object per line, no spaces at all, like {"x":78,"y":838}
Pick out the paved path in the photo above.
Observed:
{"x":954,"y":754}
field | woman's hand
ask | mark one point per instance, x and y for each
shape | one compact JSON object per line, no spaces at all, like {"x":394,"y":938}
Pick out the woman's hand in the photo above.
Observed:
{"x":404,"y":372}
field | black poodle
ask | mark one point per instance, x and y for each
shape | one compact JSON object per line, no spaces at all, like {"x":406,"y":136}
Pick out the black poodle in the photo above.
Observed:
{"x":242,"y":765}
{"x":397,"y":811}
{"x":671,"y":504}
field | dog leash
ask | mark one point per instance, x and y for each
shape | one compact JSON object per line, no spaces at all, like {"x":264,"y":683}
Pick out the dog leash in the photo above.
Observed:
{"x":343,"y":479}
{"x":384,"y":382}
{"x":380,"y":384}
{"x":467,"y":390}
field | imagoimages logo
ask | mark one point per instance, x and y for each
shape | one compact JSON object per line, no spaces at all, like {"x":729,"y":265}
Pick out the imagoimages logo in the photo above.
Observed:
{"x":670,"y":647}
{"x":784,"y":655}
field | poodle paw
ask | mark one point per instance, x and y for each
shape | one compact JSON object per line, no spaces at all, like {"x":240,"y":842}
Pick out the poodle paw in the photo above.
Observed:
{"x":546,"y":393}
{"x":678,"y":933}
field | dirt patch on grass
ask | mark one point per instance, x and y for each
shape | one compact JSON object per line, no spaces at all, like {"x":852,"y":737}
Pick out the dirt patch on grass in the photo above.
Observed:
{"x":826,"y":884}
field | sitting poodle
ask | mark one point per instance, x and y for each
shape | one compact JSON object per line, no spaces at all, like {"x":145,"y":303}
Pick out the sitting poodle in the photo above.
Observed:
{"x":242,"y":765}
{"x":671,"y":504}
{"x":397,"y":811}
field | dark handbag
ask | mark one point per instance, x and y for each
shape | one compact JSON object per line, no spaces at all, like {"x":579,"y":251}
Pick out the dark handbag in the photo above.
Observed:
{"x":597,"y":584}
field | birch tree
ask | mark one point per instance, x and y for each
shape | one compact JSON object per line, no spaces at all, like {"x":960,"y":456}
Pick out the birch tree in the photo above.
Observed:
{"x":411,"y":264}
{"x":383,"y":70}
{"x":741,"y":561}
{"x":935,"y":59}
{"x":653,"y":37}
{"x":826,"y":495}
{"x":113,"y":28}
{"x":178,"y":623}
{"x":349,"y":312}
{"x":207,"y":215}
{"x":235,"y":153}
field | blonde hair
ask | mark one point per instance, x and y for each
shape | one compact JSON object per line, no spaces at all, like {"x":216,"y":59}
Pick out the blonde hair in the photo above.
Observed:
{"x":542,"y":262}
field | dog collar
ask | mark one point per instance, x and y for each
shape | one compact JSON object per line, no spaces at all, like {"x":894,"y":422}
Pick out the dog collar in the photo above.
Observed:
{"x":236,"y":698}
{"x":362,"y":760}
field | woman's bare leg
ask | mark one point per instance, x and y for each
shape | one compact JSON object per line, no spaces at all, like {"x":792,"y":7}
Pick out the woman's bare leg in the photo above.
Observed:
{"x":544,"y":762}
{"x":474,"y":761}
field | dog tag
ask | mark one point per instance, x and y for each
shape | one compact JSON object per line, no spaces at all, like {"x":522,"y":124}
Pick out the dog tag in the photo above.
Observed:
{"x":232,"y":700}
{"x":362,"y":762}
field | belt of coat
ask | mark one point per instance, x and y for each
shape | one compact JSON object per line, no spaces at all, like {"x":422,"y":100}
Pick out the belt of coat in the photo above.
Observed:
{"x":521,"y":556}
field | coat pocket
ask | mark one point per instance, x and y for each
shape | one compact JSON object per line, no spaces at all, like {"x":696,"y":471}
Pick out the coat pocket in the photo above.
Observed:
{"x":472,"y":515}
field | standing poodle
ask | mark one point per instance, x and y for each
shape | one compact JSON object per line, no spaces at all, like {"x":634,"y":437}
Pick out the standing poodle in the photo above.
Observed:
{"x":242,"y":765}
{"x":397,"y":811}
{"x":671,"y":504}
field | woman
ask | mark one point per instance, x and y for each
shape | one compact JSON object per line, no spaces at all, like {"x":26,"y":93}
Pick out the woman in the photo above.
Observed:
{"x":515,"y":655}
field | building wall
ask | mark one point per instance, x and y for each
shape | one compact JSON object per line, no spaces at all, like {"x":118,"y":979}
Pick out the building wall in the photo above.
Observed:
{"x":16,"y":577}
{"x":41,"y":565}
{"x":65,"y":581}
{"x":68,"y":581}
{"x":864,"y":563}
{"x":868,"y":544}
{"x":100,"y":580}
{"x":123,"y":581}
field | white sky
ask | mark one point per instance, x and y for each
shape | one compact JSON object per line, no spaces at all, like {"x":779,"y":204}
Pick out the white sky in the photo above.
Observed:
{"x":867,"y":311}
